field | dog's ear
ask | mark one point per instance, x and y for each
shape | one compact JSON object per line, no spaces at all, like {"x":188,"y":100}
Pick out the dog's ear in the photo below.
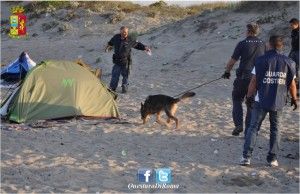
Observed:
{"x":142,"y":104}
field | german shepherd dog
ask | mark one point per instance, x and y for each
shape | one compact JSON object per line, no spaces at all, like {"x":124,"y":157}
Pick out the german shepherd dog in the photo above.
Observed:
{"x":157,"y":103}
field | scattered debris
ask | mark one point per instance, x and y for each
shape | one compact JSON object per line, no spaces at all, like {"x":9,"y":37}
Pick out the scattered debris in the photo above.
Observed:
{"x":123,"y":153}
{"x":49,"y":25}
{"x":253,"y":173}
{"x":291,"y":156}
{"x":41,"y":124}
{"x":206,"y":27}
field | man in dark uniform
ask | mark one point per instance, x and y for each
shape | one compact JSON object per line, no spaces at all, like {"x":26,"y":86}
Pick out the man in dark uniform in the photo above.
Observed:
{"x":294,"y":54}
{"x":273,"y":75}
{"x":246,"y":51}
{"x":122,"y":44}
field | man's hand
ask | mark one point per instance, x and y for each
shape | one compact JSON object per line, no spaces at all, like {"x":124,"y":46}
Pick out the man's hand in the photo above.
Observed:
{"x":294,"y":103}
{"x":147,"y":49}
{"x":226,"y":75}
{"x":249,"y":101}
{"x":108,"y":48}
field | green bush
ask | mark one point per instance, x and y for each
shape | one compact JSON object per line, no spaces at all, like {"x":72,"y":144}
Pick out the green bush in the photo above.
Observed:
{"x":43,"y":5}
{"x":159,"y":4}
{"x":117,"y":17}
{"x":159,"y":8}
{"x":163,"y":9}
{"x":260,"y":6}
{"x":126,"y":7}
{"x":134,"y":35}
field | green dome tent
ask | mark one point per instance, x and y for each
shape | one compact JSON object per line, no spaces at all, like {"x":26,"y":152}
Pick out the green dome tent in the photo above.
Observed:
{"x":58,"y":89}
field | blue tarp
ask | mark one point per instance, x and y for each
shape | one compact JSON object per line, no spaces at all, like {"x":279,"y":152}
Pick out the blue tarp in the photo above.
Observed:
{"x":17,"y":69}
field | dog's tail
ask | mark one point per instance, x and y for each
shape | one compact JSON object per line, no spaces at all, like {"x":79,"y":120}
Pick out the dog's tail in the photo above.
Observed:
{"x":186,"y":95}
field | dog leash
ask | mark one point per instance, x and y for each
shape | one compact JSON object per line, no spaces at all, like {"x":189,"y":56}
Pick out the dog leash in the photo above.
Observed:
{"x":198,"y":86}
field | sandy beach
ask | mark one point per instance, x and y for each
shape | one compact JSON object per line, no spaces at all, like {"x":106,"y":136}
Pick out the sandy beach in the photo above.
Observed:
{"x":91,"y":155}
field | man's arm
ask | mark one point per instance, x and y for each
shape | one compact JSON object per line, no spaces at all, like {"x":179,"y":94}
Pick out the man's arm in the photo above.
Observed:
{"x":228,"y":68}
{"x":251,"y":92}
{"x":140,"y":46}
{"x":234,"y":58}
{"x":230,"y":64}
{"x":293,"y":92}
{"x":293,"y":86}
{"x":252,"y":87}
{"x":108,"y":48}
{"x":110,"y":45}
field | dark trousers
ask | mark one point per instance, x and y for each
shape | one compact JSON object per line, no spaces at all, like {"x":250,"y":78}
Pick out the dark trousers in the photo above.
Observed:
{"x":116,"y":72}
{"x":257,"y":116}
{"x":240,"y":89}
{"x":295,"y":56}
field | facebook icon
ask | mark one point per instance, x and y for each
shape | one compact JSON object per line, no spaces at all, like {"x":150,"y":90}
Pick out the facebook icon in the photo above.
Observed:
{"x":145,"y":175}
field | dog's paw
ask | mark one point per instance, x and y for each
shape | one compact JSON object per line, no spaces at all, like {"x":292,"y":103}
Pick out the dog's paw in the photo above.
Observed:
{"x":168,"y":126}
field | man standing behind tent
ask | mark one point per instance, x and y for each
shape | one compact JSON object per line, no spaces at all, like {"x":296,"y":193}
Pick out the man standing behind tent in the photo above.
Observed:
{"x":122,"y":44}
{"x":273,"y":76}
{"x":247,"y":51}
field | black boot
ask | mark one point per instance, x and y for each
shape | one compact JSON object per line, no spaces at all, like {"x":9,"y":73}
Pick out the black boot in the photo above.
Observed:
{"x":112,"y":89}
{"x":124,"y":89}
{"x":237,"y":131}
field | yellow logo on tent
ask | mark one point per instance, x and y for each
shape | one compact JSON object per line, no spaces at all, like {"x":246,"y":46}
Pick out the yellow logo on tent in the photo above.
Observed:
{"x":68,"y":82}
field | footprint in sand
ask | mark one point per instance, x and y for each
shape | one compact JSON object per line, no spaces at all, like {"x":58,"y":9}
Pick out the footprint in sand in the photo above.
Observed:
{"x":242,"y":181}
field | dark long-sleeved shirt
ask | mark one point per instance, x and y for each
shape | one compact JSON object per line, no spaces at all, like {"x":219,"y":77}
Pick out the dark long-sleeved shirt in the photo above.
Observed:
{"x":295,"y":39}
{"x":122,"y":47}
{"x":247,"y":51}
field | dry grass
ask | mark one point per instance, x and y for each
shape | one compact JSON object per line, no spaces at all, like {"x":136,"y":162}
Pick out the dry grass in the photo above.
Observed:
{"x":159,"y":8}
{"x":209,"y":6}
{"x":42,"y":6}
{"x":100,"y":6}
{"x":261,"y":6}
{"x":165,"y":10}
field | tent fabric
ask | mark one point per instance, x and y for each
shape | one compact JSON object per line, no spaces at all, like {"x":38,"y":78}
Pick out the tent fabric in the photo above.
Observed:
{"x":17,"y":69}
{"x":6,"y":103}
{"x":58,"y":89}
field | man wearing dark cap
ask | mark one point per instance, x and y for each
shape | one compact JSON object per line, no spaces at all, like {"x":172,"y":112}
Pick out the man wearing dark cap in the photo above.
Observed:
{"x":272,"y":76}
{"x":122,"y":44}
{"x":294,"y":54}
{"x":246,"y":51}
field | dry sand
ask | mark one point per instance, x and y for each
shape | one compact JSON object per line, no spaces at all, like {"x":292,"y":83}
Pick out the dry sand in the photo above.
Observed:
{"x":80,"y":155}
